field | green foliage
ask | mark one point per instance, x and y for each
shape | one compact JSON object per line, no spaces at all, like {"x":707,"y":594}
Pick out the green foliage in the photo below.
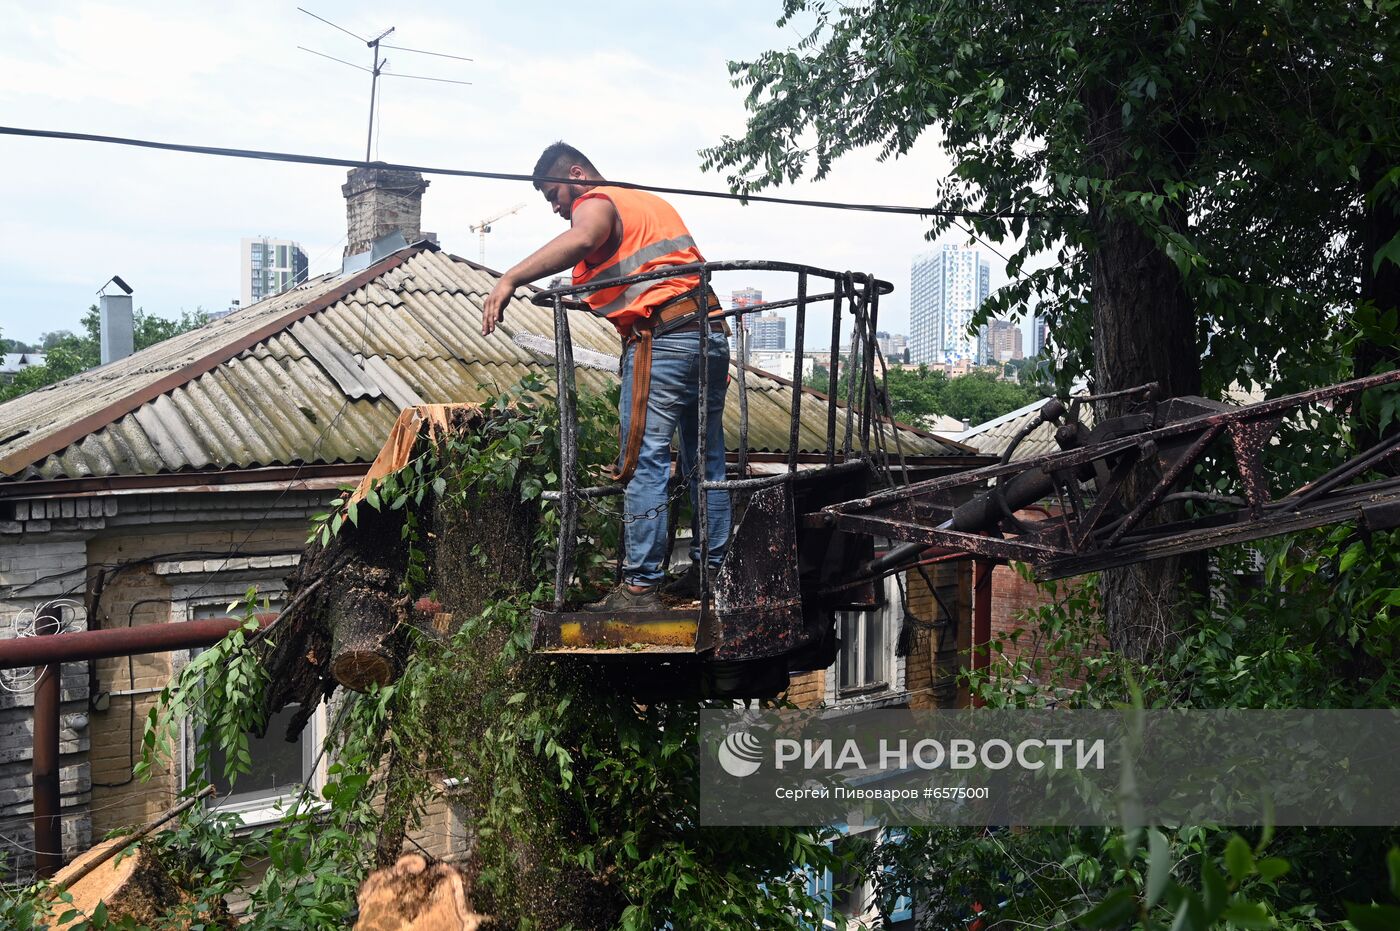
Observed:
{"x":581,"y":806}
{"x":68,"y":354}
{"x":920,"y":393}
{"x":917,"y":394}
{"x":1315,"y":628}
{"x":15,"y":345}
{"x":515,"y":442}
{"x":1064,"y":125}
{"x":980,"y":396}
{"x":211,"y":690}
{"x":1184,"y":121}
{"x":563,"y":775}
{"x":1032,"y":372}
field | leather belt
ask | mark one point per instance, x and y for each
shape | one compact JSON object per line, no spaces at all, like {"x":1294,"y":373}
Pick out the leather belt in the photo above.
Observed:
{"x":671,"y":317}
{"x":694,"y":327}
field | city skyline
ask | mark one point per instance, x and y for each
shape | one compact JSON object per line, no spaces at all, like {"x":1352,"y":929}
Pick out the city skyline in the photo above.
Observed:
{"x":946,"y":286}
{"x":269,"y":266}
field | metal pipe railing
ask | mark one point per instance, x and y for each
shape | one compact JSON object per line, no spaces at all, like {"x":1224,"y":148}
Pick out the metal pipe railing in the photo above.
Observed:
{"x":858,"y":292}
{"x":79,"y":645}
{"x":702,"y":459}
{"x":834,"y":369}
{"x":795,"y":414}
{"x":568,"y":452}
{"x":48,"y":821}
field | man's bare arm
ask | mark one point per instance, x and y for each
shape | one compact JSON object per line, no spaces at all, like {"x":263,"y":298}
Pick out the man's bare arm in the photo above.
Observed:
{"x":592,"y":226}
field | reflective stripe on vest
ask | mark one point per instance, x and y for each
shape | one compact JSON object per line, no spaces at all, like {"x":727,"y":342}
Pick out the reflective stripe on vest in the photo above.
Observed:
{"x":629,"y":264}
{"x":653,"y":238}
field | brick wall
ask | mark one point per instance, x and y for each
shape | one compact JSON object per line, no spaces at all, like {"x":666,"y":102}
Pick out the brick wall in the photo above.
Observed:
{"x":1012,"y":599}
{"x":57,"y":548}
{"x":937,"y":649}
{"x":149,"y":590}
{"x":807,"y":689}
{"x":934,"y":655}
{"x":379,"y":201}
{"x":1012,"y":596}
{"x":36,"y":570}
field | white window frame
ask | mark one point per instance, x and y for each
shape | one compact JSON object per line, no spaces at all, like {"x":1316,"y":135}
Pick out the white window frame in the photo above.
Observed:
{"x":187,"y":600}
{"x":863,"y":911}
{"x":890,"y":681}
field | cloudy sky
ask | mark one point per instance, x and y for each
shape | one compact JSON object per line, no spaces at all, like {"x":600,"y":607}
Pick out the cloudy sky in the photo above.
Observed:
{"x":639,"y":87}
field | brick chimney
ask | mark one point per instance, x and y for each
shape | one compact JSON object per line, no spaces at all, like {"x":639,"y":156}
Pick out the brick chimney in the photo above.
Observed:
{"x":379,"y":201}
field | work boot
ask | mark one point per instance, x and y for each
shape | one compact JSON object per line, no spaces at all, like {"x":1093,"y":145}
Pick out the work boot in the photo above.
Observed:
{"x":622,"y":600}
{"x":684,"y":587}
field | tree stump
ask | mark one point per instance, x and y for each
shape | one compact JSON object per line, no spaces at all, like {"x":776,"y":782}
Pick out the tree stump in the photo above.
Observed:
{"x":413,"y":896}
{"x":354,"y":630}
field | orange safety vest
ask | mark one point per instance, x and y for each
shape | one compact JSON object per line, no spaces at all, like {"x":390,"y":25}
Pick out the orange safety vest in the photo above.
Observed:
{"x":653,"y":237}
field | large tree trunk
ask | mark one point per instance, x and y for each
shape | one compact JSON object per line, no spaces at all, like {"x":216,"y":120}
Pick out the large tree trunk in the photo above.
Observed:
{"x":352,"y":624}
{"x":477,"y":551}
{"x":1380,"y":287}
{"x":1144,"y":331}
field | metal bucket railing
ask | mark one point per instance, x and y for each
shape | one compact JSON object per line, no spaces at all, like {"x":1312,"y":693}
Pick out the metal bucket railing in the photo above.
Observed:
{"x":856,"y":293}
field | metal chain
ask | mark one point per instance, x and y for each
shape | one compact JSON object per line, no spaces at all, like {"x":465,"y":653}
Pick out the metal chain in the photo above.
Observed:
{"x":682,"y":487}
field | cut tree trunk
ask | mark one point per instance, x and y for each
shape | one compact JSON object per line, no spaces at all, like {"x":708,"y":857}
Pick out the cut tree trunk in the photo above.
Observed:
{"x":367,"y":616}
{"x":411,"y":895}
{"x":134,"y":885}
{"x":354,"y":631}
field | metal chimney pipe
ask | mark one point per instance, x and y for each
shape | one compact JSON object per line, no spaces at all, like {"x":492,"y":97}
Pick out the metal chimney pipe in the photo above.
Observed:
{"x":117,"y":334}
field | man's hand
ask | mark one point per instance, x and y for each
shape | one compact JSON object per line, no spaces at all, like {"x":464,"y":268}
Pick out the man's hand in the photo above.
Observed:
{"x":592,"y":230}
{"x":494,"y":310}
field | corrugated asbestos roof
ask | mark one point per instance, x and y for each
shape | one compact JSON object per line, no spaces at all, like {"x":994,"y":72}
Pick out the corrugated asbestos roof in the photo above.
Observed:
{"x":318,"y":374}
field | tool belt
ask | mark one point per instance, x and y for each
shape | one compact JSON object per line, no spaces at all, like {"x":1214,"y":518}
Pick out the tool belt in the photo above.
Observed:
{"x":680,"y":314}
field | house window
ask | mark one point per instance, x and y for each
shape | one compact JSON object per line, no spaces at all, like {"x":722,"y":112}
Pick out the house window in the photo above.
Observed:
{"x":867,"y":663}
{"x":280,"y":769}
{"x":851,"y":899}
{"x":862,"y":651}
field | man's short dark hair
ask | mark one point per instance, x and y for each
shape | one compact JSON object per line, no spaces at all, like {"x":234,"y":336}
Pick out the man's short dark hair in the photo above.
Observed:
{"x":557,"y":159}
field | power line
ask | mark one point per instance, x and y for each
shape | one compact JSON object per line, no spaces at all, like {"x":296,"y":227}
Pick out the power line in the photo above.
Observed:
{"x":512,"y":176}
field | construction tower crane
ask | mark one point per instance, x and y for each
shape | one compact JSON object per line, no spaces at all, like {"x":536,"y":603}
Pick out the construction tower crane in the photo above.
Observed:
{"x":484,"y":227}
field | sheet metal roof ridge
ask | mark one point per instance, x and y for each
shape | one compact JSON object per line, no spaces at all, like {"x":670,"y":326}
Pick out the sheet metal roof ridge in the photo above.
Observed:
{"x":1076,"y":389}
{"x":841,"y":405}
{"x":184,"y":480}
{"x":47,"y":444}
{"x":988,"y":425}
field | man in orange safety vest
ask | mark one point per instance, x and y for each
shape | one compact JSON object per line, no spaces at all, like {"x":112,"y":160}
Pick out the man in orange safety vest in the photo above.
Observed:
{"x":614,"y":233}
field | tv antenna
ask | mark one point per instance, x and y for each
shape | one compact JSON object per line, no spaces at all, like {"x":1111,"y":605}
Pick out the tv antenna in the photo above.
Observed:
{"x":379,"y":64}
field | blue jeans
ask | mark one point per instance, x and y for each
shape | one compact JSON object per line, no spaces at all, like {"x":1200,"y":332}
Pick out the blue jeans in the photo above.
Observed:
{"x":673,"y":404}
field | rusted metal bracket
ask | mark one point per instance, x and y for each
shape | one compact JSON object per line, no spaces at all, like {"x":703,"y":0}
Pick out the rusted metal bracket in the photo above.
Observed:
{"x":1112,"y":531}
